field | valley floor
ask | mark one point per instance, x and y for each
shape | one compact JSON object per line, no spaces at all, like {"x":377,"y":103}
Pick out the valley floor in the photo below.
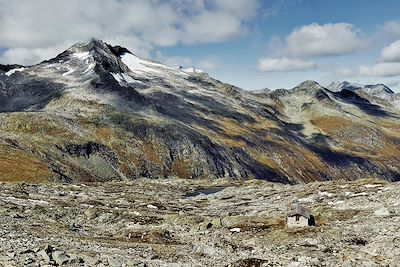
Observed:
{"x":198,"y":223}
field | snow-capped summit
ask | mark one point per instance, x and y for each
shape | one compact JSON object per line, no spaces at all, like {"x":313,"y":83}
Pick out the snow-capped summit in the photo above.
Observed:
{"x":339,"y":86}
{"x":371,"y":88}
{"x":261,"y":91}
{"x":191,"y":70}
{"x":377,"y":89}
{"x":378,"y":92}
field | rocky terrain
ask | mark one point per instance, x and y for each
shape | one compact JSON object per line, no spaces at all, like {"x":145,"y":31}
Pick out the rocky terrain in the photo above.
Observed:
{"x":97,"y":112}
{"x":373,"y":92}
{"x":173,"y":222}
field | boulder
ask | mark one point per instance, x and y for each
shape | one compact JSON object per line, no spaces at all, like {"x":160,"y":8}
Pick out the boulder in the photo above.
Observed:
{"x":382,"y":212}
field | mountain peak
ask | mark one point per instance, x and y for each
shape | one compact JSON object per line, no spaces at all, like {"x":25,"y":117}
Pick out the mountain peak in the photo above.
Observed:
{"x":88,"y":46}
{"x":379,"y":87}
{"x":309,"y":84}
{"x":338,"y":86}
{"x":95,"y":52}
{"x":98,"y":45}
{"x":377,"y":90}
{"x":261,"y":91}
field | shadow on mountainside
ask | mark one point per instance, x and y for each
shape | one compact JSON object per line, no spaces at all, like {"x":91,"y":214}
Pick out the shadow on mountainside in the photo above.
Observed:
{"x":24,"y":92}
{"x":183,"y":142}
{"x":353,"y":98}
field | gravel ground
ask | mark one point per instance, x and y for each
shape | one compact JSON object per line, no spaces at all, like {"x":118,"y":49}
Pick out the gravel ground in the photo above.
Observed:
{"x":198,"y":223}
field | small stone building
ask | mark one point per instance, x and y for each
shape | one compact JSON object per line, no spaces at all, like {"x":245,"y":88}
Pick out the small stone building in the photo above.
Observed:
{"x":299,"y":216}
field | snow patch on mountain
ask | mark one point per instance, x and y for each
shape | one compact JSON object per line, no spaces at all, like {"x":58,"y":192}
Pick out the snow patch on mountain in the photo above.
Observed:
{"x":70,"y":71}
{"x":122,"y":77}
{"x":11,"y":72}
{"x":129,"y":79}
{"x":372,"y":89}
{"x":261,"y":91}
{"x":82,"y":55}
{"x":339,"y":86}
{"x":89,"y":68}
{"x":137,"y":65}
{"x":376,"y":90}
{"x":191,"y":70}
{"x":117,"y":77}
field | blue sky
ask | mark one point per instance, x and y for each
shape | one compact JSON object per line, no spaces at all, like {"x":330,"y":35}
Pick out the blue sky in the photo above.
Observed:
{"x":249,"y":43}
{"x":237,"y":59}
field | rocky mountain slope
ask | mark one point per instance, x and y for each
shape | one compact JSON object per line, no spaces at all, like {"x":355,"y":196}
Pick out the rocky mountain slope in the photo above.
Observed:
{"x":97,"y":112}
{"x":197,"y":223}
{"x":373,"y":92}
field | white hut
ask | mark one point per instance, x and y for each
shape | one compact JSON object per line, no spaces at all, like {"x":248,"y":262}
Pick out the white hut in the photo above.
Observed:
{"x":298,"y":216}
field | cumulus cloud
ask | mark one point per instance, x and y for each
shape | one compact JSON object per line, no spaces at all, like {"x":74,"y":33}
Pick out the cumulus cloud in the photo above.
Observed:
{"x":391,"y":53}
{"x":41,"y":26}
{"x":388,"y":66}
{"x":209,"y":63}
{"x":383,"y":69}
{"x":309,"y":41}
{"x":322,"y":40}
{"x":174,"y":61}
{"x":16,"y":55}
{"x":391,"y":28}
{"x":284,"y":64}
{"x":395,"y":83}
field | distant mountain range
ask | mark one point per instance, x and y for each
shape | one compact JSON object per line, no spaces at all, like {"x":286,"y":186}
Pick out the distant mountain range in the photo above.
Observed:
{"x":97,"y":112}
{"x":377,"y":90}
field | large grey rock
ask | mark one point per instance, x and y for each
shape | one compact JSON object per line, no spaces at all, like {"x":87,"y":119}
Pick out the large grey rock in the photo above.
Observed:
{"x":382,"y":212}
{"x":43,"y":254}
{"x":60,"y":257}
{"x":114,"y":262}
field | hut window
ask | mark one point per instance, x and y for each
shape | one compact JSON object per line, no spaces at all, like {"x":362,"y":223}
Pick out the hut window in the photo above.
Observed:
{"x":297,"y":218}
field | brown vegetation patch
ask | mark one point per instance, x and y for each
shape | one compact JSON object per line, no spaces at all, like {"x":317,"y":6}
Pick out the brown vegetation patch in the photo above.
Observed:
{"x":344,"y":215}
{"x":298,"y":161}
{"x":17,"y":165}
{"x":37,"y":125}
{"x":151,"y":154}
{"x":257,"y":226}
{"x":162,"y":237}
{"x":251,"y":262}
{"x":181,"y":169}
{"x":330,"y":124}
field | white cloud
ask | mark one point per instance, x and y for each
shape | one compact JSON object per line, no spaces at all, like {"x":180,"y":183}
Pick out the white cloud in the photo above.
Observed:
{"x":383,"y":69}
{"x":393,"y":83}
{"x":391,"y":53}
{"x":322,"y":40}
{"x":174,"y":61}
{"x":389,"y":65}
{"x":346,"y":72}
{"x":284,"y":64}
{"x":16,"y":55}
{"x":209,"y":63}
{"x":42,"y":26}
{"x":391,"y":28}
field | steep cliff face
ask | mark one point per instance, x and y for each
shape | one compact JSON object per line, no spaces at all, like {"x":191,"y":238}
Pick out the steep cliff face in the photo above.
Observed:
{"x":98,"y":112}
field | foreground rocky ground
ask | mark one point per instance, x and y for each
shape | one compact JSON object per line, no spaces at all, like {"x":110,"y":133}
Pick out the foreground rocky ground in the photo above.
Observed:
{"x":198,"y":223}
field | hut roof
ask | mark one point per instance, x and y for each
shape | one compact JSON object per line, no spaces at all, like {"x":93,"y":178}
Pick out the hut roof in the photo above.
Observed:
{"x":297,"y":209}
